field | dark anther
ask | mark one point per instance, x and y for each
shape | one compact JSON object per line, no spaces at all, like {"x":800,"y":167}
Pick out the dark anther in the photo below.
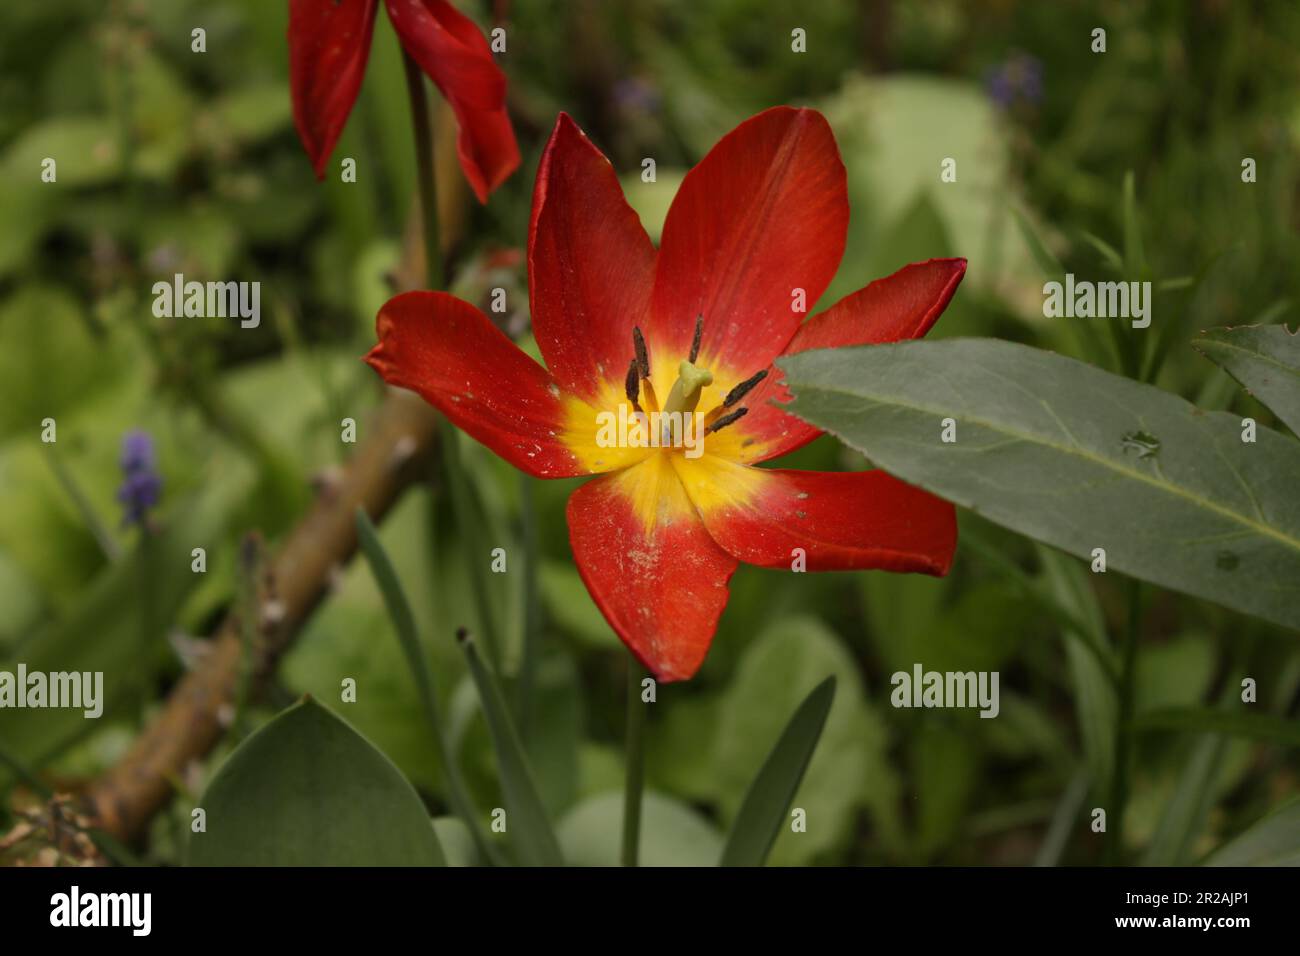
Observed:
{"x":743,"y":389}
{"x":695,"y":342}
{"x":642,"y":359}
{"x":632,"y":384}
{"x":726,"y":420}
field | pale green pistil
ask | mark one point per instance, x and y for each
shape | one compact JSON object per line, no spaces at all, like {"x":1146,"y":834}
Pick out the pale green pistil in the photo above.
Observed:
{"x":686,"y":390}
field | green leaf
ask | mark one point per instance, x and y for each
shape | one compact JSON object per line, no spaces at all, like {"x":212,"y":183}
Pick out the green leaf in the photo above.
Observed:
{"x":1135,"y":260}
{"x":779,"y":667}
{"x":1047,"y":261}
{"x":1074,"y":457}
{"x":892,"y":163}
{"x":672,"y":834}
{"x":1096,"y":702}
{"x":399,"y":610}
{"x":1263,"y":358}
{"x":308,"y":790}
{"x":1265,"y":727}
{"x":1273,"y":841}
{"x":526,"y":821}
{"x":763,"y":813}
{"x":568,"y":603}
{"x":101,"y":630}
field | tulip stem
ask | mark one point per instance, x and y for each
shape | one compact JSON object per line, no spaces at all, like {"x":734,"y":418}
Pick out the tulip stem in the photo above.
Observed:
{"x":635,"y":764}
{"x":425,"y":175}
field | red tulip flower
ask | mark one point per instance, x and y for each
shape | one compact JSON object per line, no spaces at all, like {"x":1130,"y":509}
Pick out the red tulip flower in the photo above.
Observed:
{"x":329,"y":41}
{"x":694,"y":325}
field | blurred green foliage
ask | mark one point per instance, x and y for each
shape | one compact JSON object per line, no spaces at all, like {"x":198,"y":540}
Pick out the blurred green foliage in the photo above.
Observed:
{"x":171,"y":161}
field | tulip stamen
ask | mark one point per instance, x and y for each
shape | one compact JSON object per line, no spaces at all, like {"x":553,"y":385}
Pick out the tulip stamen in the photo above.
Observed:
{"x":642,"y":356}
{"x":725,"y":420}
{"x":695,"y":342}
{"x":743,"y":389}
{"x":631,"y":385}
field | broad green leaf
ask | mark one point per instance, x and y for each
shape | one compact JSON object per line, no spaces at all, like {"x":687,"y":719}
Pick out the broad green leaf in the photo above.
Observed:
{"x":308,"y":790}
{"x":1175,"y":673}
{"x":672,"y":833}
{"x":527,"y":823}
{"x":1074,"y":457}
{"x":84,"y":148}
{"x":1263,"y":358}
{"x":1273,"y":841}
{"x":763,"y":814}
{"x":892,"y":162}
{"x":456,"y":841}
{"x":651,"y":200}
{"x":568,"y":603}
{"x":52,"y":363}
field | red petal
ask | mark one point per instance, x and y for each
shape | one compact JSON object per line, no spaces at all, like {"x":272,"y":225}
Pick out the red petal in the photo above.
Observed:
{"x":448,"y":352}
{"x":590,"y":264}
{"x":451,"y":50}
{"x":842,"y":520}
{"x":764,"y":213}
{"x":650,"y":565}
{"x":901,"y":306}
{"x":328,"y":47}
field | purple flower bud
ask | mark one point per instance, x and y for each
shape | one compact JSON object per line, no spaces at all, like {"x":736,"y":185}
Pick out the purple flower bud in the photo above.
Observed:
{"x":1016,"y":82}
{"x":141,"y":486}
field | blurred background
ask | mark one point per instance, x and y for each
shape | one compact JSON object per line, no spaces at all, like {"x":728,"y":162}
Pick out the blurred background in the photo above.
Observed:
{"x":174,"y":161}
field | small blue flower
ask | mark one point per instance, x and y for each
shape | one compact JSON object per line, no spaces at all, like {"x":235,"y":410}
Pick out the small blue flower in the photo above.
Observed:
{"x":637,"y":95}
{"x":141,"y":486}
{"x":1016,"y":82}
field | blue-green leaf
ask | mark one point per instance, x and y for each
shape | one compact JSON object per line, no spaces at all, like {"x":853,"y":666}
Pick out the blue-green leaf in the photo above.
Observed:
{"x":763,"y":812}
{"x":1074,"y":457}
{"x":526,"y":819}
{"x":1263,"y":358}
{"x":308,"y":790}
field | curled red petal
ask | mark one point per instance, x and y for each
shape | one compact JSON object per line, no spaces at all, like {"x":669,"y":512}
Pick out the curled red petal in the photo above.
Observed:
{"x":764,"y":214}
{"x":590,"y":264}
{"x":901,"y":306}
{"x":650,"y":565}
{"x":329,"y":43}
{"x":841,"y":520}
{"x":452,"y":51}
{"x":451,"y":354}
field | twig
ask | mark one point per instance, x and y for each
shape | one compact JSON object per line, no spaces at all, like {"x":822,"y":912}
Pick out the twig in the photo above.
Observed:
{"x":127,"y":796}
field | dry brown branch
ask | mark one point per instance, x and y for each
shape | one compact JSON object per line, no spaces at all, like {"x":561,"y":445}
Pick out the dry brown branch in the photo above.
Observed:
{"x":396,"y":445}
{"x":401,"y":435}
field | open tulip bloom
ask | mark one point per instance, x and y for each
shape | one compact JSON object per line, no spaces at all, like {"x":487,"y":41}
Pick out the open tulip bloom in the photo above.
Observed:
{"x":676,"y":339}
{"x":329,"y":43}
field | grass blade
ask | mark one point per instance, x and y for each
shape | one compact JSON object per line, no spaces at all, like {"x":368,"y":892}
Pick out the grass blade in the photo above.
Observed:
{"x":1264,"y":727}
{"x":399,"y":610}
{"x":762,"y":814}
{"x":534,"y":837}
